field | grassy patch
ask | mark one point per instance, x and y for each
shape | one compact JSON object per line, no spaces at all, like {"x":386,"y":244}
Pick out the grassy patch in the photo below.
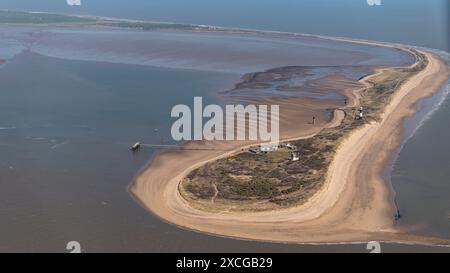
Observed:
{"x":17,"y":17}
{"x":276,"y":180}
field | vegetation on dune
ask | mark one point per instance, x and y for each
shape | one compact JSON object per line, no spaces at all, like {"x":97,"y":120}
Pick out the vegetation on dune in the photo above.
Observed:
{"x":146,"y":25}
{"x":18,"y":17}
{"x":255,"y":182}
{"x":249,"y":181}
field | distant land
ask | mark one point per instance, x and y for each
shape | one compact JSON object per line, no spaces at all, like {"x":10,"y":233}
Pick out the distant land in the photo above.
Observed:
{"x":44,"y":18}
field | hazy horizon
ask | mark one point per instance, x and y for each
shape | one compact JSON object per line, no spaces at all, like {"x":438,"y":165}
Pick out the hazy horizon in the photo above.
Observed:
{"x":415,"y":22}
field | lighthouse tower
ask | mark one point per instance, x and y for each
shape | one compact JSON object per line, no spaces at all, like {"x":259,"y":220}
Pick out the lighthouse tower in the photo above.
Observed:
{"x":360,"y":113}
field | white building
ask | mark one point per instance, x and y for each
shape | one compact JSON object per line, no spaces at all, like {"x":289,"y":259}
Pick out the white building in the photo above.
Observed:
{"x":295,"y":156}
{"x":268,"y":147}
{"x":290,"y":146}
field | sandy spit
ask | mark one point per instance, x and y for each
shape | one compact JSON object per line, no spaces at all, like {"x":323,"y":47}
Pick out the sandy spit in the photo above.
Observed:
{"x":355,"y":205}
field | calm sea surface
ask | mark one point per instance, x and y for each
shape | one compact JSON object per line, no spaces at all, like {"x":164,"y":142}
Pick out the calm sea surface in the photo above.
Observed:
{"x":418,"y":22}
{"x":66,"y":126}
{"x":421,"y":174}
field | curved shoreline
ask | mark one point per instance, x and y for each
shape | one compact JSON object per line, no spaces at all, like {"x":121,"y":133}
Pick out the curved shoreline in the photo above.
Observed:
{"x":367,"y":209}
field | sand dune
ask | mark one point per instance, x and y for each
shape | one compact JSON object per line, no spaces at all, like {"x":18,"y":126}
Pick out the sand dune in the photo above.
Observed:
{"x":356,"y":204}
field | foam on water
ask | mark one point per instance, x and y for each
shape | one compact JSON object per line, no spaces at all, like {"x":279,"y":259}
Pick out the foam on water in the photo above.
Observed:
{"x":427,"y":107}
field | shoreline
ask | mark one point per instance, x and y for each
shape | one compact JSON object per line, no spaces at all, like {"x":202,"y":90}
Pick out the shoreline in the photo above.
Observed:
{"x":179,"y":213}
{"x":178,"y":210}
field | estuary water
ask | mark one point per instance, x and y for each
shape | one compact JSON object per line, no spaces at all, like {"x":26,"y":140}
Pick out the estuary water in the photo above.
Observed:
{"x":67,"y":117}
{"x":417,"y":22}
{"x":420,"y":174}
{"x":70,"y":109}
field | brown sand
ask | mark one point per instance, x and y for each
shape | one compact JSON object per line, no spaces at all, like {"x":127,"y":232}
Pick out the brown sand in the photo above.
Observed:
{"x":355,"y":205}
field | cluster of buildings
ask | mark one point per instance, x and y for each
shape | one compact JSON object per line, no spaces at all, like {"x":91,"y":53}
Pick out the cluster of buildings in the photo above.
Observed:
{"x":271,"y":147}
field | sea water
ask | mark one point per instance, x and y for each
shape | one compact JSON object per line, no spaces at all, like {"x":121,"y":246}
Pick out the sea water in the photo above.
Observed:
{"x":66,"y":127}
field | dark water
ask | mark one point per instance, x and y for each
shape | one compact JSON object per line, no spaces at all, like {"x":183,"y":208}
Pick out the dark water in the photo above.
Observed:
{"x":65,"y":164}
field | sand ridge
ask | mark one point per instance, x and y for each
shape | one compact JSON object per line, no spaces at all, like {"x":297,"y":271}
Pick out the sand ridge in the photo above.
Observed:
{"x":356,"y":204}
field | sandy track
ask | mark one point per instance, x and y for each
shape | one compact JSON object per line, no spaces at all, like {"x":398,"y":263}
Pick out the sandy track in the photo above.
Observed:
{"x":356,"y":204}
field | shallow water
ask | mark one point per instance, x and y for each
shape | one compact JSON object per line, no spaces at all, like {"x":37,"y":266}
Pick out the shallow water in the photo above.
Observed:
{"x":220,"y":52}
{"x":66,"y":127}
{"x":420,"y":175}
{"x":307,"y":83}
{"x":416,"y":22}
{"x":65,"y":164}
